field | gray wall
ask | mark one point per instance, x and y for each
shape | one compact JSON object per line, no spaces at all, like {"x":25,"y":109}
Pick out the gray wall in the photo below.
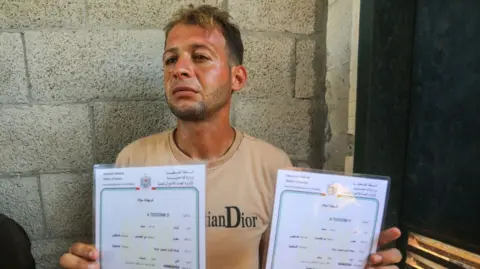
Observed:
{"x":81,"y":79}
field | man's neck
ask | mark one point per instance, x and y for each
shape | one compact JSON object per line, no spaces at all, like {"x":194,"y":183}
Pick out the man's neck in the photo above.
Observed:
{"x":207,"y":140}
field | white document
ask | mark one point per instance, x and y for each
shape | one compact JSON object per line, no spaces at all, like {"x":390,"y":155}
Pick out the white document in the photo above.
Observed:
{"x":150,"y":217}
{"x":323,"y":221}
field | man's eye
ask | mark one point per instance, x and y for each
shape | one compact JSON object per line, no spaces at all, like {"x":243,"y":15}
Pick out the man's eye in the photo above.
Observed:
{"x":199,"y":57}
{"x":170,"y":60}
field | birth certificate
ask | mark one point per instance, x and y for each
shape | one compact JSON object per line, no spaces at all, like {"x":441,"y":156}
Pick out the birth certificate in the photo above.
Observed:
{"x":150,"y":217}
{"x":323,"y":220}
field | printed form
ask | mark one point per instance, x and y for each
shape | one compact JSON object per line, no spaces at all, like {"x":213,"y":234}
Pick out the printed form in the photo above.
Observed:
{"x":150,"y":217}
{"x":325,"y":220}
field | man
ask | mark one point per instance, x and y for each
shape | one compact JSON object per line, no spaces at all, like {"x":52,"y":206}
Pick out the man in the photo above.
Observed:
{"x":203,"y":60}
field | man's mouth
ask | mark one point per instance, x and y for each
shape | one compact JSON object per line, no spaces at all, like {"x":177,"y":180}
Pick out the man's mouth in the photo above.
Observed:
{"x":183,"y":89}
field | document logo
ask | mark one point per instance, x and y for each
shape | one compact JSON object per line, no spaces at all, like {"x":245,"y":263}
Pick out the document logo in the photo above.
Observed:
{"x":145,"y":182}
{"x":333,"y":189}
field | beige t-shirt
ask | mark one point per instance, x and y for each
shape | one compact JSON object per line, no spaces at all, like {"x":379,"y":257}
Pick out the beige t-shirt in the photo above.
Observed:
{"x":240,"y":193}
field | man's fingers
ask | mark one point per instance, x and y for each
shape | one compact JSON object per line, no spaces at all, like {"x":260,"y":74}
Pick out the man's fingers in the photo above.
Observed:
{"x":386,"y":257}
{"x":384,"y":267}
{"x":388,"y":236}
{"x":70,"y":261}
{"x":84,"y":251}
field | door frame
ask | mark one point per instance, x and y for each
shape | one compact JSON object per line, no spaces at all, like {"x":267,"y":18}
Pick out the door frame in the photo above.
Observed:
{"x":384,"y":77}
{"x":384,"y":82}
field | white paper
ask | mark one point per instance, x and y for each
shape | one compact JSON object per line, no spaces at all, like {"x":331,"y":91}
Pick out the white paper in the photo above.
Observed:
{"x":150,"y":217}
{"x":325,"y":220}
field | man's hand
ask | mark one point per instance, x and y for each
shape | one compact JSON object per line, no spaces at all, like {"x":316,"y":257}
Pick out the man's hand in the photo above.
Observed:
{"x":385,"y":259}
{"x":80,"y":256}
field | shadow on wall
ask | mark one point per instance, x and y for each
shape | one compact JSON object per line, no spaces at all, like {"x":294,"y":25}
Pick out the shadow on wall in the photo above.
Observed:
{"x":320,"y":134}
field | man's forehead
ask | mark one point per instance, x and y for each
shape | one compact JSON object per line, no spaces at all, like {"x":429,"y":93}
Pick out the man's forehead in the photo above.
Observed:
{"x":191,"y":35}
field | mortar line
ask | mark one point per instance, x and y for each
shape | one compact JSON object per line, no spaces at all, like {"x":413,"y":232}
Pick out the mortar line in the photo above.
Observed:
{"x":294,"y":68}
{"x":60,"y":237}
{"x":14,"y":104}
{"x":42,"y":206}
{"x":27,"y":71}
{"x":84,"y":102}
{"x":91,"y":117}
{"x":117,"y":28}
{"x":6,"y":175}
{"x":42,"y":103}
{"x":305,"y":98}
{"x":315,"y":35}
{"x":81,"y":28}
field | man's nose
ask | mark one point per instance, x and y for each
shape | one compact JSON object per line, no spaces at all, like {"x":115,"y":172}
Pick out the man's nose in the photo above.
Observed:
{"x":183,"y":68}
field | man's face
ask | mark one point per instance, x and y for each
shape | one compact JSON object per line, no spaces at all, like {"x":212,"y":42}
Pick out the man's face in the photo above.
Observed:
{"x":197,"y":76}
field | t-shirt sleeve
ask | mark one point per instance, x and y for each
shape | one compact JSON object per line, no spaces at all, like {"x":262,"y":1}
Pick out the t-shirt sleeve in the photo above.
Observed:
{"x":287,"y":162}
{"x":123,"y":158}
{"x":15,"y":246}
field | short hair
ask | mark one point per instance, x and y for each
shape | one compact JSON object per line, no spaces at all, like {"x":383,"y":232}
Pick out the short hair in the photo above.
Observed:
{"x":208,"y":17}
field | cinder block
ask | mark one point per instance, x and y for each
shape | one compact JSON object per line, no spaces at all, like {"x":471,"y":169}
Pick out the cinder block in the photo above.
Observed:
{"x":309,"y":69}
{"x":296,"y":16}
{"x":44,"y":138}
{"x":146,"y":13}
{"x":351,"y":125}
{"x":349,"y":164}
{"x":47,"y":252}
{"x":352,"y":111}
{"x":269,"y":63}
{"x":331,"y":2}
{"x":13,"y":81}
{"x":354,"y":45}
{"x":339,"y":33}
{"x":338,"y":83}
{"x":67,"y":202}
{"x":20,"y":200}
{"x":352,"y":106}
{"x":119,"y":123}
{"x":80,"y":65}
{"x":352,"y":94}
{"x":338,"y":116}
{"x":336,"y":150}
{"x":42,"y":13}
{"x":284,"y":123}
{"x":337,"y":98}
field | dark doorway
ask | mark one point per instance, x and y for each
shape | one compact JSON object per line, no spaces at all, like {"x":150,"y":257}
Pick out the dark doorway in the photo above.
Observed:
{"x":418,"y":114}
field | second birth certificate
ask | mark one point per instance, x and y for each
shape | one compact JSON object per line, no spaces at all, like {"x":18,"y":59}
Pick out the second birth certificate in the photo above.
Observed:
{"x":325,"y":221}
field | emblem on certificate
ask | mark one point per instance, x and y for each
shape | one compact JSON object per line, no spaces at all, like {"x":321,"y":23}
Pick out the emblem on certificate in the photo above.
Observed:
{"x":145,"y":182}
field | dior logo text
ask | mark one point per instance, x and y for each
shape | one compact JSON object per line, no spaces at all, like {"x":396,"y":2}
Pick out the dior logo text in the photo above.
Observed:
{"x":233,"y":218}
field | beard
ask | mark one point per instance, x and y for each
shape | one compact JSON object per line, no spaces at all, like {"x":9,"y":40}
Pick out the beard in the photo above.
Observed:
{"x":197,"y":112}
{"x":201,"y":110}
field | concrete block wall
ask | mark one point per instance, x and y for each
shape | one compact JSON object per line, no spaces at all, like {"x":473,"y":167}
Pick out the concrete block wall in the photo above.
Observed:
{"x":352,"y":97}
{"x":341,"y":69}
{"x":80,"y":79}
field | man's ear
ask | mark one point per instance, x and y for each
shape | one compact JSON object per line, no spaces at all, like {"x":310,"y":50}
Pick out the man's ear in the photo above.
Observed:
{"x":239,"y":77}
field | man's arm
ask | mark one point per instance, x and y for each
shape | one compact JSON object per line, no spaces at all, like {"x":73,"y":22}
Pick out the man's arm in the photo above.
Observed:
{"x":15,"y":246}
